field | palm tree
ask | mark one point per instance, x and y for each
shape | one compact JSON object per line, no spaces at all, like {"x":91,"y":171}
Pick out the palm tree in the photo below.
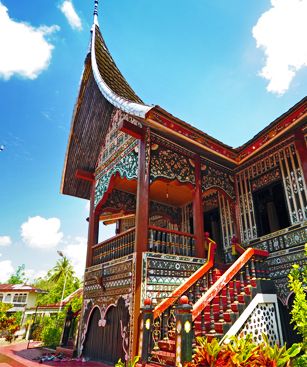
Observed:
{"x":63,"y":268}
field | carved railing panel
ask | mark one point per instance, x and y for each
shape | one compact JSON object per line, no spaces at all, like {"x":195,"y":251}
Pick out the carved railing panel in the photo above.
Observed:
{"x":114,"y":248}
{"x":168,"y":241}
{"x":286,"y":247}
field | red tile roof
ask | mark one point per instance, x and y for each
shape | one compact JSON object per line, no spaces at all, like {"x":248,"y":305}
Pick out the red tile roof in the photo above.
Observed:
{"x":20,"y":288}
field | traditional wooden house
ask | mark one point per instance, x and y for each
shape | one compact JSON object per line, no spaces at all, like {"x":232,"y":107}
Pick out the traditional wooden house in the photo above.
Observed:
{"x":205,"y":234}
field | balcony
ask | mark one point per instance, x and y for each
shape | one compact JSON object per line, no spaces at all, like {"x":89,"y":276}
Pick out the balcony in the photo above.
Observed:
{"x":160,"y":240}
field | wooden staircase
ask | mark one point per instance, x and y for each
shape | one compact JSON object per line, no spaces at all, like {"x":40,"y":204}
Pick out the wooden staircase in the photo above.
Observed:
{"x":208,"y":306}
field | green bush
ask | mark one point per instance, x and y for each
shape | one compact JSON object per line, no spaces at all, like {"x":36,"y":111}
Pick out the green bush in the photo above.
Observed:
{"x":8,"y":323}
{"x":298,"y":284}
{"x":51,"y":332}
{"x":301,"y":361}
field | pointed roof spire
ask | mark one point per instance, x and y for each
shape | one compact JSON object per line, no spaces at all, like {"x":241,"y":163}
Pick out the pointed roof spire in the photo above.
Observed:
{"x":95,"y":12}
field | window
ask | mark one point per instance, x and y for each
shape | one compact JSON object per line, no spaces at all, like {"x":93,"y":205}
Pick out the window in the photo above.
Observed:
{"x":8,"y":298}
{"x":270,"y":209}
{"x":20,"y":298}
{"x":1,"y":297}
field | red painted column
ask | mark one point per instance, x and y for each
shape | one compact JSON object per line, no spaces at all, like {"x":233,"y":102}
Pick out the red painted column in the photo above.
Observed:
{"x":142,"y":198}
{"x":141,"y":229}
{"x":300,"y":145}
{"x":237,"y":212}
{"x":93,"y":228}
{"x":198,"y":215}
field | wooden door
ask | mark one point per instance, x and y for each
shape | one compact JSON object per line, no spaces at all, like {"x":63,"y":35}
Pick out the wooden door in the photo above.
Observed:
{"x":106,"y":343}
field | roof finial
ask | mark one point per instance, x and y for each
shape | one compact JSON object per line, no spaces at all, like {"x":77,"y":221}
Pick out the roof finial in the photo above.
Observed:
{"x":96,"y":12}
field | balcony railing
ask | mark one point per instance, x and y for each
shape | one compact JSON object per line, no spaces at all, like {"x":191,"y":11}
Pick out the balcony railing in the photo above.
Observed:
{"x":168,"y":241}
{"x":160,"y":240}
{"x":114,"y":248}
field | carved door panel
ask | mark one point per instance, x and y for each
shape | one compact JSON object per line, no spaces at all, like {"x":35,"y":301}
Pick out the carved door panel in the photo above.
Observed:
{"x":92,"y":344}
{"x":105,"y":343}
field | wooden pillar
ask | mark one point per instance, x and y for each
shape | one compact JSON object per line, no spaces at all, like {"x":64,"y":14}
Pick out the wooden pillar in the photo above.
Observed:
{"x":141,"y":229}
{"x":300,"y":145}
{"x":198,"y":220}
{"x":237,"y":212}
{"x":93,"y":228}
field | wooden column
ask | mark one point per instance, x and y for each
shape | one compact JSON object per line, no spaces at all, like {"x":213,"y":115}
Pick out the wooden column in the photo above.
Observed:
{"x":237,"y":212}
{"x":141,"y":229}
{"x":198,"y":215}
{"x":300,"y":145}
{"x":93,"y":228}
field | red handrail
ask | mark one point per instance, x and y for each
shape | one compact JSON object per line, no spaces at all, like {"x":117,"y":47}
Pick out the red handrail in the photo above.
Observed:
{"x":167,"y":302}
{"x":160,"y":229}
{"x":114,"y":238}
{"x":238,"y":249}
{"x":202,"y":303}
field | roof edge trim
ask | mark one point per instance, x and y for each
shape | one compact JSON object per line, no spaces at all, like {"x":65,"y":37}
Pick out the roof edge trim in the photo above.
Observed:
{"x":123,"y":104}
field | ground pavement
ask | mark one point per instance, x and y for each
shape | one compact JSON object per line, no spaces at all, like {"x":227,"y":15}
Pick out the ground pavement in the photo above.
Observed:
{"x":17,"y":355}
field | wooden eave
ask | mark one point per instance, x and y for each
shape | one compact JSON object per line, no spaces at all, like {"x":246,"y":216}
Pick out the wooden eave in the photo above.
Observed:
{"x":210,"y":147}
{"x":90,"y":121}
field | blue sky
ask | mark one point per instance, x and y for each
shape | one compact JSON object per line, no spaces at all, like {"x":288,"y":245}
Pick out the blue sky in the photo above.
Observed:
{"x":198,"y":59}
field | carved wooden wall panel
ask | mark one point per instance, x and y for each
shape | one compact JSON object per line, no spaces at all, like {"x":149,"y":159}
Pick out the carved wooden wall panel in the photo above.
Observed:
{"x":281,"y":163}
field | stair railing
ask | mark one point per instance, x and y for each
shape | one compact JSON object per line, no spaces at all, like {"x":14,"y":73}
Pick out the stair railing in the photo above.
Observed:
{"x":159,"y":323}
{"x":239,"y":267}
{"x":184,"y":287}
{"x":178,"y":316}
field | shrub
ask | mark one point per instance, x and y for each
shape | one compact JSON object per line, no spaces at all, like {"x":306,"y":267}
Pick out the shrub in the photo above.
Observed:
{"x":51,"y":332}
{"x":8,"y":323}
{"x":298,"y":284}
{"x":241,"y":352}
{"x":129,"y":363}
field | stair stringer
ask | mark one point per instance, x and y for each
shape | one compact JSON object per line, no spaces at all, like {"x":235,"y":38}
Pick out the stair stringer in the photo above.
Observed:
{"x":248,"y":315}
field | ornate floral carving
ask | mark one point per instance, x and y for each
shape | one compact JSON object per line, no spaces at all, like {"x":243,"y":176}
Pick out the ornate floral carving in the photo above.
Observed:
{"x":120,"y":201}
{"x":126,"y":166}
{"x":210,"y":201}
{"x":172,"y":213}
{"x":214,"y":177}
{"x":115,"y":141}
{"x":166,"y":163}
{"x":265,"y":179}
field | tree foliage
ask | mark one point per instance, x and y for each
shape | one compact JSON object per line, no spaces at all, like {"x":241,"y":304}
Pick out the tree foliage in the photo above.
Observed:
{"x":62,"y":273}
{"x":298,"y":284}
{"x":19,"y":277}
{"x":8,"y":323}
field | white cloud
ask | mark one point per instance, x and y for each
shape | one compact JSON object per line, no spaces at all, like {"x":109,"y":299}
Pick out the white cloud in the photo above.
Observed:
{"x":87,"y":206}
{"x":24,"y":49}
{"x":281,"y":33}
{"x":67,"y":8}
{"x":76,"y":252}
{"x":41,"y":233}
{"x":5,"y":241}
{"x":6,"y":270}
{"x":31,"y":274}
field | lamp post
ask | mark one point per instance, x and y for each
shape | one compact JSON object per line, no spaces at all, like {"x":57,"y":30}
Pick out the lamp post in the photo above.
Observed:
{"x":60,"y":253}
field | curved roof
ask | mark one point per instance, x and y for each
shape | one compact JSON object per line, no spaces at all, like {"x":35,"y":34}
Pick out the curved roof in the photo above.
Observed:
{"x":104,"y":88}
{"x":110,"y":81}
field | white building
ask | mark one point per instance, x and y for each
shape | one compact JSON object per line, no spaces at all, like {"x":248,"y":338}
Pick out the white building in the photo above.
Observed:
{"x":21,"y":296}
